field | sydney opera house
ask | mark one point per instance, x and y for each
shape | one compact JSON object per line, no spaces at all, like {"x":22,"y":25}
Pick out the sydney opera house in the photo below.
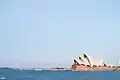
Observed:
{"x":85,"y":62}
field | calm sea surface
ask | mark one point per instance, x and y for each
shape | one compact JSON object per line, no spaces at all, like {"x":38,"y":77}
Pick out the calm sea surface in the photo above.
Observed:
{"x":9,"y":74}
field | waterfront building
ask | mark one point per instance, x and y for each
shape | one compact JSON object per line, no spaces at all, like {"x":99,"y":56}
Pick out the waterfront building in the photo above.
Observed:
{"x":86,"y":62}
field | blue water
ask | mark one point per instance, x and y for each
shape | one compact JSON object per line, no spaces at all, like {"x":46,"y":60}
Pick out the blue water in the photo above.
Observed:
{"x":9,"y":74}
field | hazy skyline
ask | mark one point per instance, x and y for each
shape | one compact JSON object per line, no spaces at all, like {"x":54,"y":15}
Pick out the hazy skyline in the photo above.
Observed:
{"x":40,"y":33}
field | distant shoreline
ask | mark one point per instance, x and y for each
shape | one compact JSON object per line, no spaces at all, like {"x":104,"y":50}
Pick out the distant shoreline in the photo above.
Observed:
{"x":63,"y":69}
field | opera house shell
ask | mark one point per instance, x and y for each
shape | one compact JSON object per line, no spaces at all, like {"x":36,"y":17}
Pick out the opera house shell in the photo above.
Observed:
{"x":85,"y":62}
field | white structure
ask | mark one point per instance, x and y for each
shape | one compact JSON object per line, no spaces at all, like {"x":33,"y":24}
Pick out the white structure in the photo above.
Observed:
{"x":87,"y":60}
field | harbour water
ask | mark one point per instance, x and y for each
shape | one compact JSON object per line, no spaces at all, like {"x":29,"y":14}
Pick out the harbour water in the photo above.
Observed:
{"x":10,"y":74}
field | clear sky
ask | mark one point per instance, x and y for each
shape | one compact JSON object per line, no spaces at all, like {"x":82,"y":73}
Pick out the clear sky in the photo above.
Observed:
{"x":45,"y":33}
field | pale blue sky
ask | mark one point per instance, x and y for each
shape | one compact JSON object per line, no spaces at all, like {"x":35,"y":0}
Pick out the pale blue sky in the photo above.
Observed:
{"x":45,"y":33}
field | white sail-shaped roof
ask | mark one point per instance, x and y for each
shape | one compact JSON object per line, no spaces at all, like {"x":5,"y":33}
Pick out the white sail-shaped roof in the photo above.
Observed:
{"x":81,"y":59}
{"x":88,"y":59}
{"x":85,"y":61}
{"x":78,"y":61}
